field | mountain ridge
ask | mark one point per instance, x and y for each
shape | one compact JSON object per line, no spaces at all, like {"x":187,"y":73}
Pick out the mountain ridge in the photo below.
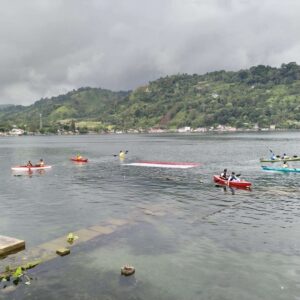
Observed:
{"x":260,"y":95}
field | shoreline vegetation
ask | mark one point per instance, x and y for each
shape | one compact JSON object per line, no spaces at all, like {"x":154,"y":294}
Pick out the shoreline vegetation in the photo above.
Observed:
{"x":259,"y":98}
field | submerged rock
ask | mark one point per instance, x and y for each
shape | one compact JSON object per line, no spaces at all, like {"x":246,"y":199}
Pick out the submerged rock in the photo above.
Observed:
{"x":127,"y":270}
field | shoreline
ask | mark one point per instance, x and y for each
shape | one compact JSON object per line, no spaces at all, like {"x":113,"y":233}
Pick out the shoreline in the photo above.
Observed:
{"x":192,"y":132}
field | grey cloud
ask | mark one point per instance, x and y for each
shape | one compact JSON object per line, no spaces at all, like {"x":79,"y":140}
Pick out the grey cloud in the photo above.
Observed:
{"x":48,"y":47}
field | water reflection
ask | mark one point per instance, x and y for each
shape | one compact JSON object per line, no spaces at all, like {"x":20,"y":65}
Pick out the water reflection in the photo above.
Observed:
{"x":28,"y":173}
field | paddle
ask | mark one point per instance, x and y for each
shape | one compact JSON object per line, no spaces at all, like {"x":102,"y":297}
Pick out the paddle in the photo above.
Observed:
{"x":273,"y":154}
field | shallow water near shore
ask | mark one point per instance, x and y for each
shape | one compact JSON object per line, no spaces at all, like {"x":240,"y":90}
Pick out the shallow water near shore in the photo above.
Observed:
{"x":188,"y":240}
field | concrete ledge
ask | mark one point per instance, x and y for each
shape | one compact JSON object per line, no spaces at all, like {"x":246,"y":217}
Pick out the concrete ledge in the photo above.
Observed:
{"x":51,"y":249}
{"x":9,"y":245}
{"x":63,"y":251}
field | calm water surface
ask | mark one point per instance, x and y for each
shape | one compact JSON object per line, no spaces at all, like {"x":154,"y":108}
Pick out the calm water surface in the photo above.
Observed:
{"x":204,"y":242}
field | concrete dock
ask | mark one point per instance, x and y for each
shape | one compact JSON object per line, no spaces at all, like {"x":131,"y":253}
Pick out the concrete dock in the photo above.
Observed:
{"x":9,"y":245}
{"x":50,"y":250}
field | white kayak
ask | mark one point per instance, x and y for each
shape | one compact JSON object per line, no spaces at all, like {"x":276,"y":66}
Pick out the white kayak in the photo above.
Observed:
{"x":25,"y":168}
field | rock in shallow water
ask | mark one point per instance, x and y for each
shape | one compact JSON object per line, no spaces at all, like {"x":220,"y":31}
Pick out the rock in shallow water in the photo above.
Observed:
{"x":127,"y":270}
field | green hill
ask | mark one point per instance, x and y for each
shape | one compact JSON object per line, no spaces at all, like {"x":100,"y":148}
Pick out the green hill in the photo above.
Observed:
{"x":260,"y":95}
{"x":83,"y":104}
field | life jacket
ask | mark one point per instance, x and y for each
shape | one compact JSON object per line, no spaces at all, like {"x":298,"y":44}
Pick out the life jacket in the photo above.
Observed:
{"x":233,"y":178}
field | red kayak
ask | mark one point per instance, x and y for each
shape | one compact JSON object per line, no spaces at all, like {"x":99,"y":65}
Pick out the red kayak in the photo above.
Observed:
{"x":82,"y":160}
{"x":237,"y":184}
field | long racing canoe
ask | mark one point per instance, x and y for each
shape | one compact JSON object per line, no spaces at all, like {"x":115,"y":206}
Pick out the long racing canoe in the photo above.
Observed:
{"x":279,"y":159}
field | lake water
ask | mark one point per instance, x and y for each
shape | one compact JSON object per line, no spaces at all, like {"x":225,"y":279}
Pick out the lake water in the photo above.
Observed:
{"x":189,"y":239}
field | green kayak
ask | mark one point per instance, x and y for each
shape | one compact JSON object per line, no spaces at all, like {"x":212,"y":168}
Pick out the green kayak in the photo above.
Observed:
{"x":294,"y":158}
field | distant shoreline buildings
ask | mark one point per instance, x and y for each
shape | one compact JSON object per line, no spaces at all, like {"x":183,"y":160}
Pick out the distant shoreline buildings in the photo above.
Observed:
{"x":154,"y":130}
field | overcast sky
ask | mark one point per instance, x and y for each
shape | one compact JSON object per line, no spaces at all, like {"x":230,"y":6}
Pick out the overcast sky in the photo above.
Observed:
{"x":49,"y":47}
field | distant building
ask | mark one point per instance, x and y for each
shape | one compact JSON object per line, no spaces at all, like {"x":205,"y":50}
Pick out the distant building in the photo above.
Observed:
{"x":184,"y":129}
{"x":16,"y":132}
{"x":156,"y":130}
{"x":225,"y":128}
{"x":200,"y":129}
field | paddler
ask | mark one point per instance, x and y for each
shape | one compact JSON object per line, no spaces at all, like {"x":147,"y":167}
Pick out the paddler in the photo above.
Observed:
{"x":78,"y":157}
{"x":233,"y":177}
{"x":29,"y":164}
{"x":41,"y":163}
{"x":224,"y":175}
{"x":122,"y":154}
{"x":285,"y":164}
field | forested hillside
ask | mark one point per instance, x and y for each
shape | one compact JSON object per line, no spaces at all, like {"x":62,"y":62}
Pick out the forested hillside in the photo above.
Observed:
{"x":260,"y":95}
{"x":59,"y":112}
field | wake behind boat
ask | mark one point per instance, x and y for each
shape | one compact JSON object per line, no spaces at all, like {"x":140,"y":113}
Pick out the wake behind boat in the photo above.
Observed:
{"x":30,"y":168}
{"x":286,"y":170}
{"x":163,"y":164}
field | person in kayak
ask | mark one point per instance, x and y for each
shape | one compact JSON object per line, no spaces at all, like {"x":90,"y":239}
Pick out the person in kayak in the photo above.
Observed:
{"x":285,"y":164}
{"x":29,"y":164}
{"x":284,"y":156}
{"x":273,"y":156}
{"x":233,"y":177}
{"x":41,"y":163}
{"x":78,"y":156}
{"x":122,"y":154}
{"x":224,"y":175}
